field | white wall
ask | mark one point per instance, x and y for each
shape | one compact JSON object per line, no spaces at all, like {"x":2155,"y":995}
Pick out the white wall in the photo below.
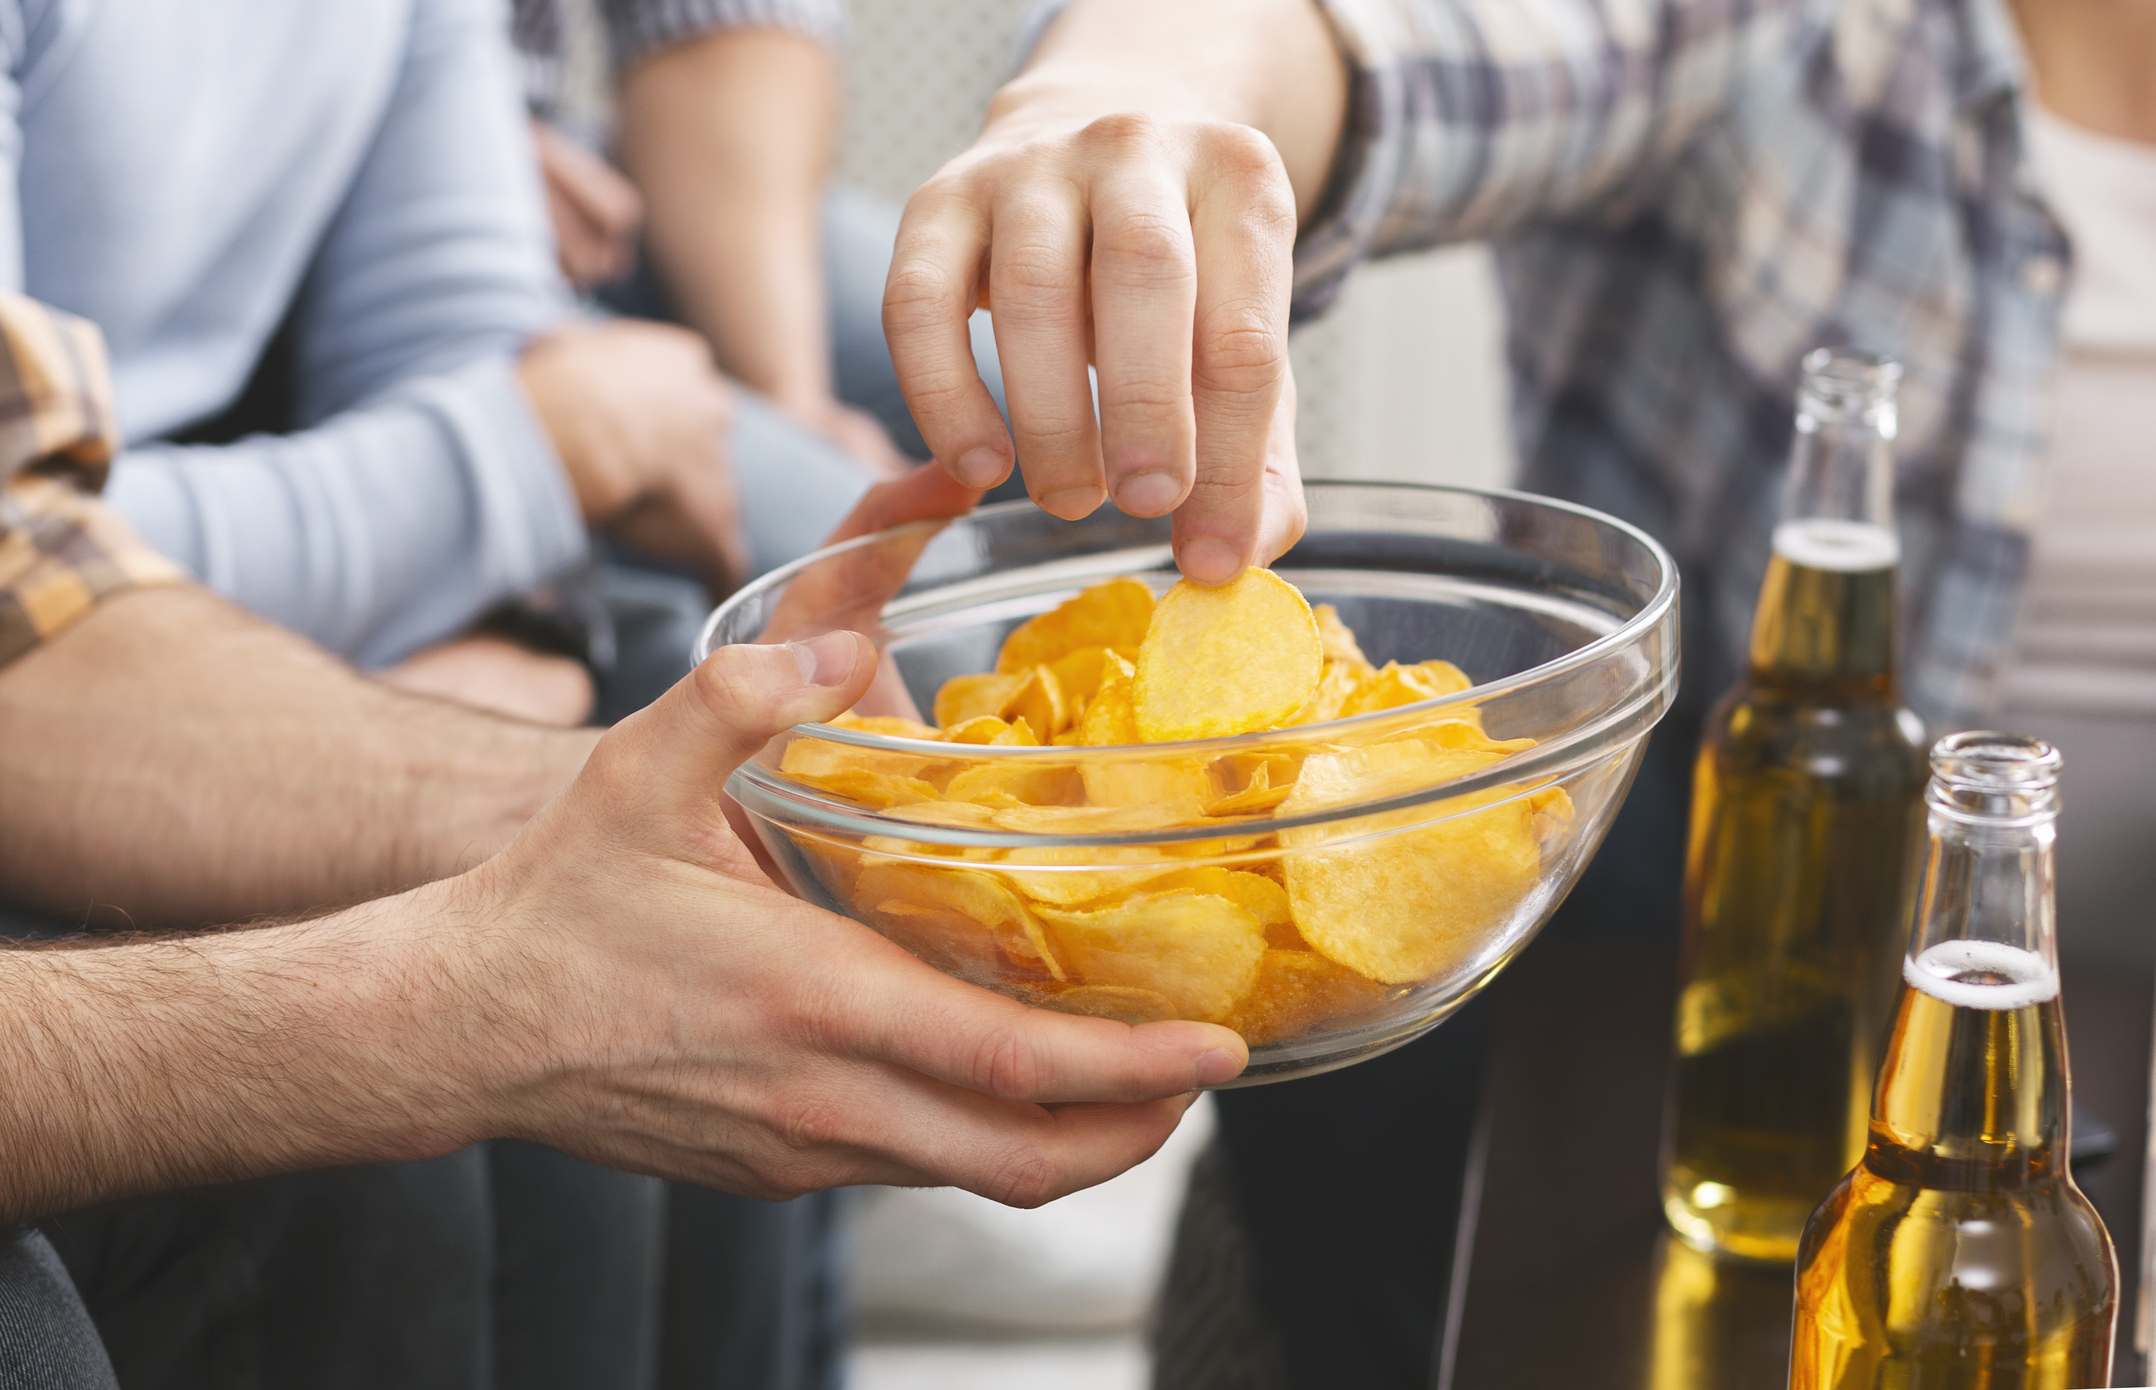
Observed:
{"x":1402,"y":380}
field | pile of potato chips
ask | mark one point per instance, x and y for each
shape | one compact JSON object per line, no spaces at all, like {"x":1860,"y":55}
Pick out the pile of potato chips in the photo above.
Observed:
{"x":1273,"y":933}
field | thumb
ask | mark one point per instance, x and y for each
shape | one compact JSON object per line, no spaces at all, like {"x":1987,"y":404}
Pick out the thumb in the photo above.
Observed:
{"x":720,"y":714}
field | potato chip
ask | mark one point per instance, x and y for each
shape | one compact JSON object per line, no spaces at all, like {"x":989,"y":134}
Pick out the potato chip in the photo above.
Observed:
{"x":925,"y":899}
{"x":1111,"y":716}
{"x":807,"y":758}
{"x":1123,"y":1003}
{"x":1114,"y":614}
{"x":1039,"y":702}
{"x":1296,"y":992}
{"x":991,"y":730}
{"x":1262,"y":898}
{"x":876,"y":790}
{"x":889,"y":725}
{"x":1338,"y":639}
{"x":1017,"y":784}
{"x":1079,"y":673}
{"x":1397,"y":685}
{"x":966,"y":698}
{"x":1404,"y":895}
{"x":1226,"y":661}
{"x":1201,"y":952}
{"x":1336,"y":686}
{"x":1258,"y":795}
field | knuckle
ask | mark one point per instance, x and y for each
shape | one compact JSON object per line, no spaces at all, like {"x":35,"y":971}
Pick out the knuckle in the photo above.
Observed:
{"x":917,"y":294}
{"x":1025,"y":1178}
{"x":807,"y":1123}
{"x":1008,"y":1066}
{"x":1037,"y":272}
{"x":1150,"y":248}
{"x":1144,"y":408}
{"x":1244,"y":151}
{"x":1124,"y":132}
{"x":724,"y":687}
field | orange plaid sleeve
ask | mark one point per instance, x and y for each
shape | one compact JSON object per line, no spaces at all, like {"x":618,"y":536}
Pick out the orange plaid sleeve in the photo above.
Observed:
{"x":60,"y":549}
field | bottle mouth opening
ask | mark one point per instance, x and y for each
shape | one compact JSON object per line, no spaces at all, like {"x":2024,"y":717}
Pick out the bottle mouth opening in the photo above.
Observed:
{"x":1847,"y":383}
{"x":1989,"y":773}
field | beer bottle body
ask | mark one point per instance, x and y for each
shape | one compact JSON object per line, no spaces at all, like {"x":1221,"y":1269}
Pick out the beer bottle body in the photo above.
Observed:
{"x":1805,"y":811}
{"x":1959,"y":1252}
{"x":1805,"y":820}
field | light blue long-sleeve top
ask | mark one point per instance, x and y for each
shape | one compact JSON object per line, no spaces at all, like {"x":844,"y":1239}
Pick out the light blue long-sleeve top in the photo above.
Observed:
{"x":186,"y":174}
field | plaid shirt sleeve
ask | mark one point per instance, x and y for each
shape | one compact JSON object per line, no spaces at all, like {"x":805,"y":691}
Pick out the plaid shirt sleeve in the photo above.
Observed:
{"x":1468,"y":118}
{"x":60,"y":549}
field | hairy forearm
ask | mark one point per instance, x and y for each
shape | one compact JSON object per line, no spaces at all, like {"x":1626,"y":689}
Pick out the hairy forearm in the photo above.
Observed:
{"x":1269,"y":64}
{"x":179,"y":761}
{"x":730,"y":139}
{"x":151,"y":1065}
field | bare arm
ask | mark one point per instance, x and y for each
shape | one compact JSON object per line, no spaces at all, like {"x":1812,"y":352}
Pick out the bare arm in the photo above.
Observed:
{"x":730,"y":137}
{"x":186,"y":763}
{"x":620,"y":982}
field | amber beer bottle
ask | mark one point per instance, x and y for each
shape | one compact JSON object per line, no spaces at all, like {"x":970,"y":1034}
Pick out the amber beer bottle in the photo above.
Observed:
{"x":1959,"y":1253}
{"x":1805,"y":824}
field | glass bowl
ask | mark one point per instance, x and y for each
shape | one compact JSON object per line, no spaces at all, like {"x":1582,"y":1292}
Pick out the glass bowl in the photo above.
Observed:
{"x":1417,"y":850}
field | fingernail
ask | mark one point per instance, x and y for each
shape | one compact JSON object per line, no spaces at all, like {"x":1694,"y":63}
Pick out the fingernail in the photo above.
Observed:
{"x":1208,"y":560}
{"x":1218,"y":1067}
{"x":1149,"y":494}
{"x":825,"y":660}
{"x":1071,"y":503}
{"x":982,"y":467}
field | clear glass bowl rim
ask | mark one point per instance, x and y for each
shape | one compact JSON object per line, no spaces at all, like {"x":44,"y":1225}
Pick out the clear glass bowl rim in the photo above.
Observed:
{"x":840,"y":815}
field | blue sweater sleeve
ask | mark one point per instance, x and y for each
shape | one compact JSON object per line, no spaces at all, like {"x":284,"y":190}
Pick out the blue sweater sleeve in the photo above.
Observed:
{"x":419,"y":489}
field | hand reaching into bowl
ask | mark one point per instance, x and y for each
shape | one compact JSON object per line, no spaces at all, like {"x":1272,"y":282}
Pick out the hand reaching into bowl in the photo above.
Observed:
{"x":1131,"y":203}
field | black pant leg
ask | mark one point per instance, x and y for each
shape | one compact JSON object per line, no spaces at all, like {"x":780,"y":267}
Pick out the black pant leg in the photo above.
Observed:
{"x":755,"y":1292}
{"x":578,"y":1250}
{"x":47,"y":1341}
{"x":346,"y":1279}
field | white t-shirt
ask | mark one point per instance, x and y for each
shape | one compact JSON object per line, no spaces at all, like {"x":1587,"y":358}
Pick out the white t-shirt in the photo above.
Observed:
{"x":2086,"y":641}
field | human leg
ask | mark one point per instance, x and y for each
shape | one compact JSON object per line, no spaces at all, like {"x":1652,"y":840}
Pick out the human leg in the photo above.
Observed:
{"x":576,"y":1281}
{"x":47,"y":1341}
{"x":755,"y":1292}
{"x":347,"y":1279}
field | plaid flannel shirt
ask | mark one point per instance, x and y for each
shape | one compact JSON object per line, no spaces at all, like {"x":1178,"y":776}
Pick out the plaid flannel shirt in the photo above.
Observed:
{"x":1684,"y":196}
{"x":637,"y":27}
{"x":60,"y":550}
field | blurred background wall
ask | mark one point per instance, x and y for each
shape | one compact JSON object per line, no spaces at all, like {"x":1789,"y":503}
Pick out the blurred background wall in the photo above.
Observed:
{"x":1402,"y":380}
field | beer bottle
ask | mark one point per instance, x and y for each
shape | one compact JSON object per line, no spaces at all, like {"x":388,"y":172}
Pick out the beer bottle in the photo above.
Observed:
{"x":1959,"y":1253}
{"x":1805,"y":824}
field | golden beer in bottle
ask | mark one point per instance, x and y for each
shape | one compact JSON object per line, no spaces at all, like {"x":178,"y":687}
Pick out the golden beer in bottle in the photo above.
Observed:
{"x":1959,"y":1253}
{"x":1805,"y":822}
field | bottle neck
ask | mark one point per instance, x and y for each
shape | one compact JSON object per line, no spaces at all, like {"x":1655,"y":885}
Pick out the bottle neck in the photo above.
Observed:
{"x":1826,"y":620}
{"x":1973,"y":1092}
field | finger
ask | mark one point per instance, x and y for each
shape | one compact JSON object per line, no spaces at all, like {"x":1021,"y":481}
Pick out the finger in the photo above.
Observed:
{"x":1037,"y":269}
{"x":1282,"y":512}
{"x":922,"y":494}
{"x":931,"y":1023}
{"x":927,"y":299}
{"x":1145,"y":285}
{"x":722,"y":713}
{"x":1244,"y":225}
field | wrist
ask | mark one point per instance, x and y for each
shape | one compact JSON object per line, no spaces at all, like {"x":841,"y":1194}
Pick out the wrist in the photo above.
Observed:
{"x":513,"y":770}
